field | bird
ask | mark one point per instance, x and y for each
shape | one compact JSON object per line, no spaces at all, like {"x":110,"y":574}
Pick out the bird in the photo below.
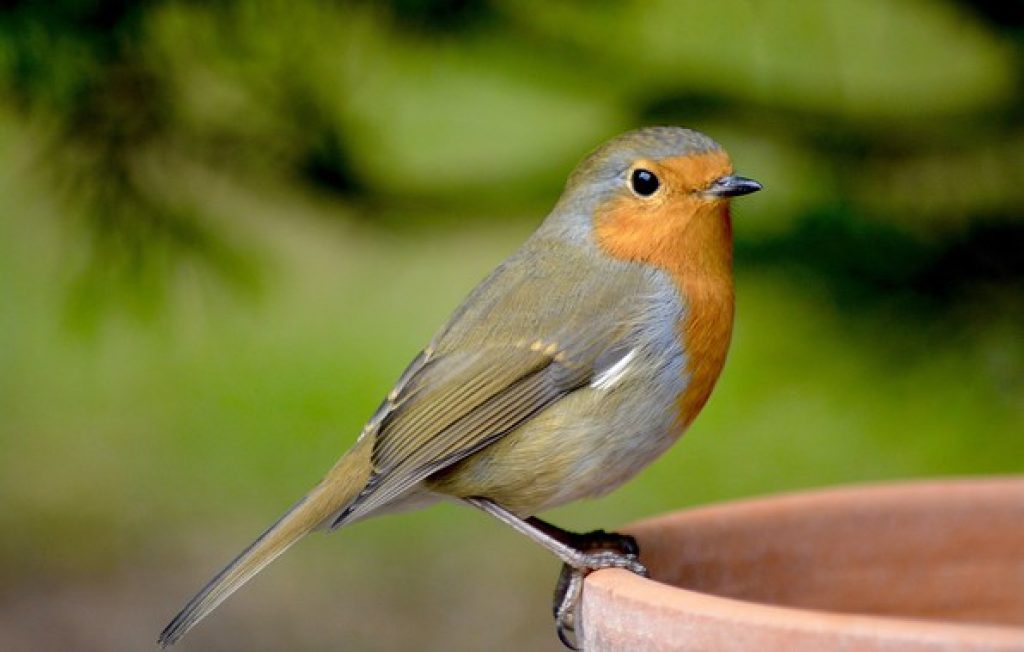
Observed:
{"x":574,"y":364}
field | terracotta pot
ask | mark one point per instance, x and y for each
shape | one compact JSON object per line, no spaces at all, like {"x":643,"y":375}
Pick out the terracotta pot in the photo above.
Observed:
{"x":916,"y":566}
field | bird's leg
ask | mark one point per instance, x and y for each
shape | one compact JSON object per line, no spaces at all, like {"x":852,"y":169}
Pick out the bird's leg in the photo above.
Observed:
{"x":580,"y":554}
{"x":589,"y":551}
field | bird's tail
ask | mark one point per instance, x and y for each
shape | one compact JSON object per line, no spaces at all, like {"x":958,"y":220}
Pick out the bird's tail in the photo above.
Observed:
{"x":341,"y":485}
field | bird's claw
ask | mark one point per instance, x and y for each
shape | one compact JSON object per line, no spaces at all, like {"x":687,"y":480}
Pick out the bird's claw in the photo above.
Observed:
{"x":599,"y":550}
{"x":567,"y":595}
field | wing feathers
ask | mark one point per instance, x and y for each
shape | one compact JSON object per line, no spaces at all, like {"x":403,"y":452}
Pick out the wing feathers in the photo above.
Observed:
{"x":492,"y":397}
{"x":406,"y":429}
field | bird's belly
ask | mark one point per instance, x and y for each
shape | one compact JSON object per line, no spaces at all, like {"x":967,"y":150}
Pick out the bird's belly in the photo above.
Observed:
{"x":587,"y":444}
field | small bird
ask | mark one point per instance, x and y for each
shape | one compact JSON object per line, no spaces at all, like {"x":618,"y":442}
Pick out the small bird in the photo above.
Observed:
{"x":574,"y":364}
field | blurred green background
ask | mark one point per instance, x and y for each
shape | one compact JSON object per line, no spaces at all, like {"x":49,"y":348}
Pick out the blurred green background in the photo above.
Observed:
{"x":225,"y":228}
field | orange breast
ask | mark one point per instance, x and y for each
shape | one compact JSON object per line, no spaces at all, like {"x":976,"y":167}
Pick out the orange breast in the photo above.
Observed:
{"x":707,"y":331}
{"x":690,"y":238}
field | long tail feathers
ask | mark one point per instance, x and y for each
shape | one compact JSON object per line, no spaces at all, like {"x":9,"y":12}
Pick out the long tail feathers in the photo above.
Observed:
{"x":337,"y":490}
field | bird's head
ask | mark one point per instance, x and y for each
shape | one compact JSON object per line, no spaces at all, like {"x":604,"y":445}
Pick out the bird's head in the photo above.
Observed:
{"x":659,"y":195}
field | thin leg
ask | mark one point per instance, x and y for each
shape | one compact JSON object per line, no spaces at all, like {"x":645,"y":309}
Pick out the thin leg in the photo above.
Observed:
{"x":592,"y":557}
{"x":580,"y":554}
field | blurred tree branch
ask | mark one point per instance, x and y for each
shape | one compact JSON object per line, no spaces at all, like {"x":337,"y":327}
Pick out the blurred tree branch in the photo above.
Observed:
{"x":110,"y":114}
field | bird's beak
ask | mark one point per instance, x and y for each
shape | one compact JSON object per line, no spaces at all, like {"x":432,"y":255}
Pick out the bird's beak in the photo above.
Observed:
{"x":732,"y":186}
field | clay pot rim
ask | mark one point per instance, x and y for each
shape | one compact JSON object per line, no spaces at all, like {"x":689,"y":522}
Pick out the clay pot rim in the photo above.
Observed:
{"x":625,"y":587}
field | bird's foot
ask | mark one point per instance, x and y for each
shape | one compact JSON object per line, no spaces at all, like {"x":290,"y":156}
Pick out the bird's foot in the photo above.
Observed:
{"x":597,"y":550}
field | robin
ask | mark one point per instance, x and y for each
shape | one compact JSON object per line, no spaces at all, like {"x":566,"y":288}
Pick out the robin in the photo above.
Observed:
{"x":574,"y":364}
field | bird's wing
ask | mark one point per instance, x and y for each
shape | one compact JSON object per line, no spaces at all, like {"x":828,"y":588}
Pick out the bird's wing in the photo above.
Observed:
{"x":452,"y":406}
{"x":508,"y":352}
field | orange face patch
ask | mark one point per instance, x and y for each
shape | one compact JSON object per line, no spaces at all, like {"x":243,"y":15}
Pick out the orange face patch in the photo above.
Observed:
{"x":689,"y":236}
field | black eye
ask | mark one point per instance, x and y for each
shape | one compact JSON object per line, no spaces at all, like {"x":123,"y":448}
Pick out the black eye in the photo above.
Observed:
{"x":644,"y":182}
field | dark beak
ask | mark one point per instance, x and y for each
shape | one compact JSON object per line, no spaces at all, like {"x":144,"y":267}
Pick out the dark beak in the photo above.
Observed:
{"x":732,"y":186}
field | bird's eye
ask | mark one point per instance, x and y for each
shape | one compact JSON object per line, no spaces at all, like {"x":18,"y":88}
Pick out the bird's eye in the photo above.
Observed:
{"x":644,"y":182}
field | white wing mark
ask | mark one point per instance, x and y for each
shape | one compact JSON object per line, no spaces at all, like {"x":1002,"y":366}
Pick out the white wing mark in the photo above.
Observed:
{"x":613,"y":374}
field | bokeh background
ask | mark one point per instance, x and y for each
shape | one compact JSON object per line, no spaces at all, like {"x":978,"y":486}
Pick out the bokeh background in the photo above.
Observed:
{"x":226,"y":227}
